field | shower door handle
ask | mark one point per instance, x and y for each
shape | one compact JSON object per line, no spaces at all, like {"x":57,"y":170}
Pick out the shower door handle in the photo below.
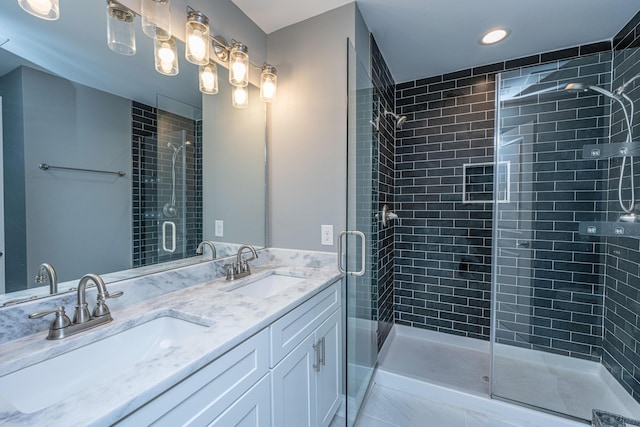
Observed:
{"x":165,"y":225}
{"x":363,"y":255}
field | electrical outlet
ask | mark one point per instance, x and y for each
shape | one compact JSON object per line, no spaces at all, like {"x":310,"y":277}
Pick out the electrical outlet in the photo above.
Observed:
{"x":327,"y":235}
{"x":219,"y":228}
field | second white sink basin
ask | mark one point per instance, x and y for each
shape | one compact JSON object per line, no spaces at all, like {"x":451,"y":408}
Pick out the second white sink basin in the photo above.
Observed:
{"x":266,"y":287}
{"x":41,"y":385}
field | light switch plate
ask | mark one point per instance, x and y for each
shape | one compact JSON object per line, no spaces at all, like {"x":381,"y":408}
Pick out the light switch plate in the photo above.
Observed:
{"x":327,"y":235}
{"x":219,"y":228}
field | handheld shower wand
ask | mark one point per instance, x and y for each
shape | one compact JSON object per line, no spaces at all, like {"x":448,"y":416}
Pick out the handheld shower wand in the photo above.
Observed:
{"x":618,"y":96}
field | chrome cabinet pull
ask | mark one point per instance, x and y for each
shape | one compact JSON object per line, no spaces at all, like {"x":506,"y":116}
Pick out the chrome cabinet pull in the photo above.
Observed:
{"x":316,"y":349}
{"x":323,"y":359}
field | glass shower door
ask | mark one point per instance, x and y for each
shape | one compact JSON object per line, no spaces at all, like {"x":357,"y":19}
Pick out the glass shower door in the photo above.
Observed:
{"x":547,"y":275}
{"x":358,"y":256}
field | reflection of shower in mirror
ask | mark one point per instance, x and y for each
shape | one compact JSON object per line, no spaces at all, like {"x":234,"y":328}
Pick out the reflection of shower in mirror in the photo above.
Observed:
{"x":169,"y":209}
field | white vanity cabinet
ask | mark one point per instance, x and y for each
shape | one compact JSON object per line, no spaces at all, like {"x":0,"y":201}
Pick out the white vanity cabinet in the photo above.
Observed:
{"x":289,"y":374}
{"x":222,"y":391}
{"x":306,"y":380}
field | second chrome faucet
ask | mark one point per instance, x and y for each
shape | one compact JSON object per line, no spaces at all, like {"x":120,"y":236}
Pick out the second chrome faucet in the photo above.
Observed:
{"x":241,"y":267}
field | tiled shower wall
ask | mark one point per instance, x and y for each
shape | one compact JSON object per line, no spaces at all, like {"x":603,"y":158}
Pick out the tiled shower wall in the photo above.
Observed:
{"x":443,"y":246}
{"x":621,"y":346}
{"x":152,"y":184}
{"x":384,"y":92}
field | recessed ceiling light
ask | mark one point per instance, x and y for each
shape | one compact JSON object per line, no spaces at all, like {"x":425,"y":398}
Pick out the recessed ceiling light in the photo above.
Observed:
{"x":494,"y":36}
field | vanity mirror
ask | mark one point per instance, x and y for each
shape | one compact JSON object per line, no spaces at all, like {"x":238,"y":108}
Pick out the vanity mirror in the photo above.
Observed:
{"x":110,"y":167}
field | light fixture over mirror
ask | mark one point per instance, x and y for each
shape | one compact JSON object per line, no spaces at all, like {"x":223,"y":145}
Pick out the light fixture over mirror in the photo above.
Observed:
{"x":121,"y":34}
{"x":197,"y":38}
{"x":43,"y":9}
{"x":156,"y":23}
{"x":156,"y":18}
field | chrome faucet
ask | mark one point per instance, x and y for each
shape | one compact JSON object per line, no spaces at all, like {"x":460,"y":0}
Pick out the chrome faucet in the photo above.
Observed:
{"x":207,"y":243}
{"x":47,"y":274}
{"x":241,"y":267}
{"x":82,"y":320}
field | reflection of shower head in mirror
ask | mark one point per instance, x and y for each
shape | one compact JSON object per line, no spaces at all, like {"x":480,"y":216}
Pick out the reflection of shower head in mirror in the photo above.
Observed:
{"x":399,"y":119}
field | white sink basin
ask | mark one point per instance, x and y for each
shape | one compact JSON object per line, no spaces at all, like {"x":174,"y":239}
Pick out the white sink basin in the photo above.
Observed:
{"x":266,"y":287}
{"x":41,"y":385}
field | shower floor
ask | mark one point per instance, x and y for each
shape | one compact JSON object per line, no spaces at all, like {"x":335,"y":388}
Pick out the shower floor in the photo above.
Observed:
{"x":553,"y":382}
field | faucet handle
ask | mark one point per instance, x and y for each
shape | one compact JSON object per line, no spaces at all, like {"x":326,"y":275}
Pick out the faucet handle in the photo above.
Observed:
{"x":60,"y":322}
{"x":231,"y":270}
{"x":117,"y":294}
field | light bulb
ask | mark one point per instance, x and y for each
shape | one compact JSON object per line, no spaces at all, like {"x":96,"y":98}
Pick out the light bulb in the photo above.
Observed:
{"x":167,"y":57}
{"x":43,"y":7}
{"x":268,"y":88}
{"x":240,"y":97}
{"x":208,"y":78}
{"x":268,"y":83}
{"x":239,"y":70}
{"x":197,"y":45}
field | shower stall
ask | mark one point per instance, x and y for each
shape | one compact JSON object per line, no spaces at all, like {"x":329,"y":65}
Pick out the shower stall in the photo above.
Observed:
{"x":517,"y":268}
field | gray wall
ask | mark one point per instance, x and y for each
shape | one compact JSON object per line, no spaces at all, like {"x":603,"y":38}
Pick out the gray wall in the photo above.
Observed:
{"x":308,"y":132}
{"x":79,"y":222}
{"x":234,"y":167}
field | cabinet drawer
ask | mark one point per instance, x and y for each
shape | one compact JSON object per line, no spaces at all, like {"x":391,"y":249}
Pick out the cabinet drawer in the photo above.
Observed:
{"x":208,"y":392}
{"x":291,"y":329}
{"x":253,"y":409}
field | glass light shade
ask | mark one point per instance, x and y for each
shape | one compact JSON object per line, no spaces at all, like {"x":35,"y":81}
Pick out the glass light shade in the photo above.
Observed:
{"x":240,"y":97}
{"x":156,"y":18}
{"x":239,"y":65}
{"x":268,"y":84}
{"x":121,"y":34}
{"x":197,"y":38}
{"x":166,"y":56}
{"x":209,"y":78}
{"x":43,"y":9}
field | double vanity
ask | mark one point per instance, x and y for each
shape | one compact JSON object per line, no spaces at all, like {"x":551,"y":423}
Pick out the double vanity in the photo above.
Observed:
{"x":186,"y":347}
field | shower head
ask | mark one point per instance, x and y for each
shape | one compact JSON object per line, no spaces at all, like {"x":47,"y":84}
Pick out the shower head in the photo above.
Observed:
{"x":581,"y":87}
{"x":399,"y":119}
{"x":576,"y":87}
{"x":177,"y":148}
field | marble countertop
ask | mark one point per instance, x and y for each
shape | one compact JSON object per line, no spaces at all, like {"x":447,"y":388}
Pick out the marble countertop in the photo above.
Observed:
{"x":232,"y":318}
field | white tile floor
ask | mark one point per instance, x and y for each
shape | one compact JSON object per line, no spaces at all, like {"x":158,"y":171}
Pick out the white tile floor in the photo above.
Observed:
{"x":386,"y":407}
{"x":431,"y":366}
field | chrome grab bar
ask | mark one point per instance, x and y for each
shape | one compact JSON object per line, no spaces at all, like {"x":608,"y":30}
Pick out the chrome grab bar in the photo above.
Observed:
{"x":171,"y":249}
{"x":364,"y":253}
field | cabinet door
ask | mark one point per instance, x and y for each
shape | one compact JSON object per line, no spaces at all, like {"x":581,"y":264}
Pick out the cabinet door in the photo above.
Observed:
{"x":252,"y":409}
{"x":329,"y":376}
{"x":294,"y":387}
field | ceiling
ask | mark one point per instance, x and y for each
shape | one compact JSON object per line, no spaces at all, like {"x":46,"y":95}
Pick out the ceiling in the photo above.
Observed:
{"x":423,"y":38}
